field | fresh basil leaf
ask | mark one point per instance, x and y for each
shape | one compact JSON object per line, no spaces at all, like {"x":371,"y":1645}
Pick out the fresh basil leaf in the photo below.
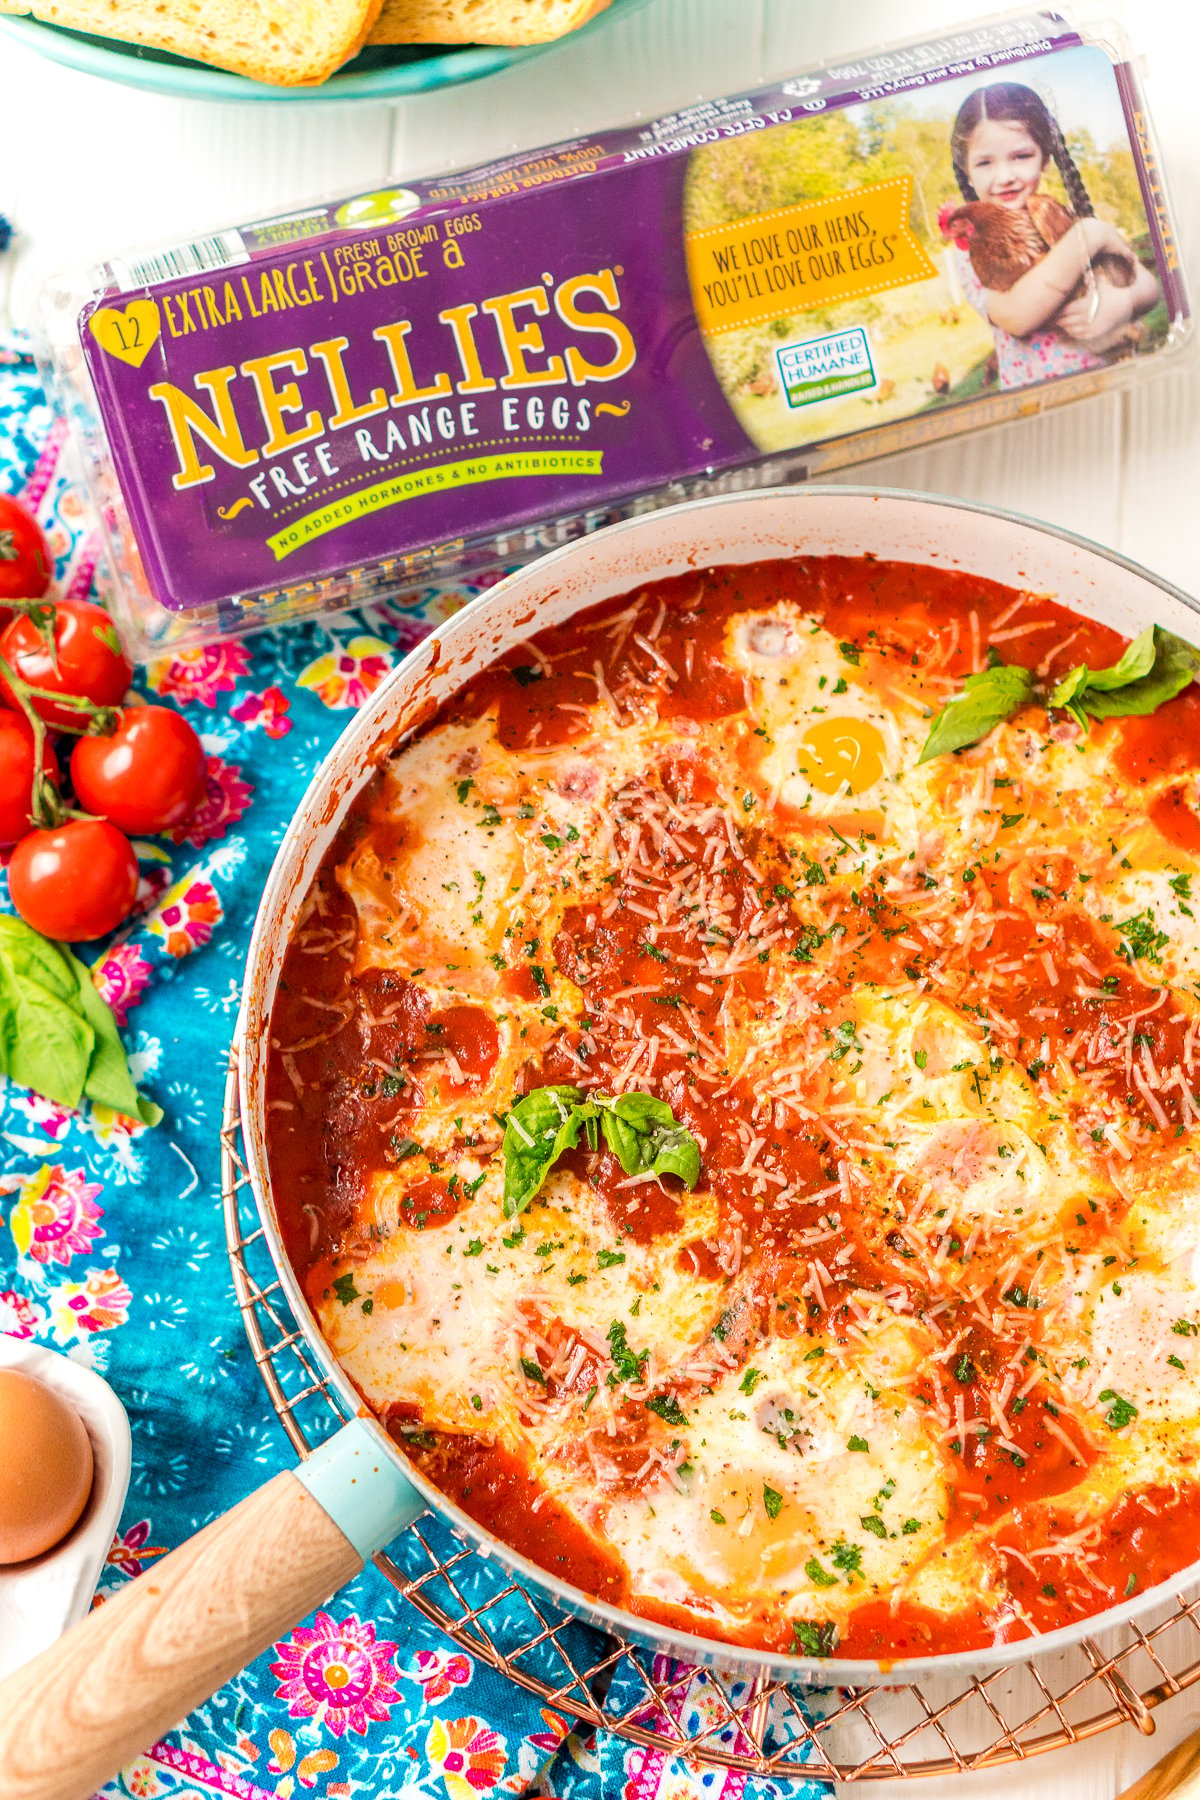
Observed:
{"x":1137,"y":661}
{"x":27,"y":953}
{"x":1176,"y":663}
{"x":678,"y":1153}
{"x":539,"y":1128}
{"x":629,"y":1124}
{"x":1070,"y":687}
{"x":988,"y":698}
{"x":57,"y":1036}
{"x":640,"y":1131}
{"x":45,"y":1044}
{"x":108,"y":1078}
{"x":642,"y":1134}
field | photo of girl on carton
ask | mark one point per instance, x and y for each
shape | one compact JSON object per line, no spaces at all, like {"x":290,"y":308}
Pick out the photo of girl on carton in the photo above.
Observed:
{"x":1061,"y":289}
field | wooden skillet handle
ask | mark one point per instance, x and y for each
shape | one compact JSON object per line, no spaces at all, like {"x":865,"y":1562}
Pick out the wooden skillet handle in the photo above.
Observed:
{"x":138,"y":1664}
{"x":1175,"y":1777}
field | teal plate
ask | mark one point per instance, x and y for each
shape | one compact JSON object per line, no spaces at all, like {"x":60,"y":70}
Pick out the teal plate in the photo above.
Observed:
{"x":381,"y":72}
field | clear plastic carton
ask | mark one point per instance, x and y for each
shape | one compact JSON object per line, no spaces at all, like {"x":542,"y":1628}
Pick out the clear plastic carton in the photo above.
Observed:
{"x":325,"y":408}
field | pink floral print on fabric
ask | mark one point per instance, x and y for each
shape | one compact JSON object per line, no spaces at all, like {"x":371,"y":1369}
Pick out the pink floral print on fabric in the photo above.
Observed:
{"x":337,"y":1672}
{"x":19,"y":1317}
{"x":467,"y":1754}
{"x":185,"y":916}
{"x":200,"y":674}
{"x":268,"y":709}
{"x":100,"y":1302}
{"x":440,"y":1672}
{"x":56,"y":1217}
{"x":122,"y":977}
{"x":346,"y":676}
{"x":131,"y":1551}
{"x":225,"y":799}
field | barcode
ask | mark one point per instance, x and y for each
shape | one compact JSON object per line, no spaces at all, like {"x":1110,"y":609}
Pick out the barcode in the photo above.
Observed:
{"x":216,"y":252}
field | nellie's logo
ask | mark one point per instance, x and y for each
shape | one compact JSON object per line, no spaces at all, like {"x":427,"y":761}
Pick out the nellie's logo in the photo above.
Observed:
{"x":130,"y":335}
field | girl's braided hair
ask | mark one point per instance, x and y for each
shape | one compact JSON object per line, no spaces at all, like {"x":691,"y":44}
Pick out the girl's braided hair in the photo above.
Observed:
{"x":1010,"y":103}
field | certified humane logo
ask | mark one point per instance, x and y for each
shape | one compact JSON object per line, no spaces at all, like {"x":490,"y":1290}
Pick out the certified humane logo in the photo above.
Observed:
{"x":821,"y":368}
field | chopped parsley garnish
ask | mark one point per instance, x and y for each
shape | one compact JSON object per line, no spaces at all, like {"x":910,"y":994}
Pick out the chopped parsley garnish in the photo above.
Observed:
{"x":1121,"y":1412}
{"x":847,"y":1558}
{"x":817,"y":1575}
{"x":1142,"y":937}
{"x":474,"y":1248}
{"x":773,"y":1501}
{"x":874,"y":1524}
{"x":609,"y":1259}
{"x":533,"y":1370}
{"x":857,"y":1443}
{"x":817,"y":1638}
{"x":345,"y":1290}
{"x":667,"y":1407}
{"x":403,"y":1148}
{"x":628,"y":1364}
{"x":750,"y":1381}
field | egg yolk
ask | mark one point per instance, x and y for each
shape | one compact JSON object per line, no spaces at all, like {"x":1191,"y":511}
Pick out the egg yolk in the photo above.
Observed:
{"x":842,"y":753}
{"x":738,"y":1541}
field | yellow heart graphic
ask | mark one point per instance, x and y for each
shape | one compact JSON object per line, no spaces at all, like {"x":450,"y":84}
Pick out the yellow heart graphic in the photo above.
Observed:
{"x":130,"y":335}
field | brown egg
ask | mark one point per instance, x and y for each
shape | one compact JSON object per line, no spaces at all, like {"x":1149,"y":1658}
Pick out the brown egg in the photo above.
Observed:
{"x":45,"y":1467}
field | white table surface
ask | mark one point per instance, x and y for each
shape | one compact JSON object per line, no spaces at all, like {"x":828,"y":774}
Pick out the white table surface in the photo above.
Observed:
{"x":87,"y":169}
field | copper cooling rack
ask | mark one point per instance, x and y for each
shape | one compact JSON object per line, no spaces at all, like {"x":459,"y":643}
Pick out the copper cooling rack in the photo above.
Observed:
{"x":757,"y":1723}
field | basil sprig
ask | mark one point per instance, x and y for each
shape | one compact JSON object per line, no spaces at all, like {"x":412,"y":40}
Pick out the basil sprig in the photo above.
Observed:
{"x":641,"y":1132}
{"x":1156,"y":666}
{"x":988,"y":698}
{"x":57,"y":1036}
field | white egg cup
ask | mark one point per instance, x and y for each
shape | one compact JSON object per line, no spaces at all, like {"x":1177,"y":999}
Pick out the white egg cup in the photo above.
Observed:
{"x":41,"y":1597}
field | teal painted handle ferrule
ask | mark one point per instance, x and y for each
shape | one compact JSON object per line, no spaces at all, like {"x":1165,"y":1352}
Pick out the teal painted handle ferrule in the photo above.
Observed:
{"x":361,"y":1488}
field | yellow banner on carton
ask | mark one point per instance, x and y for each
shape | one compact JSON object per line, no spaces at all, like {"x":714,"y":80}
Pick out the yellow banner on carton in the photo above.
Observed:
{"x":780,"y":263}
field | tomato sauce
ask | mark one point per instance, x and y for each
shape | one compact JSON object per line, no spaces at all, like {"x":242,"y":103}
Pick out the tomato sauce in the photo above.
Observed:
{"x":352,"y":1055}
{"x":496,"y":1490}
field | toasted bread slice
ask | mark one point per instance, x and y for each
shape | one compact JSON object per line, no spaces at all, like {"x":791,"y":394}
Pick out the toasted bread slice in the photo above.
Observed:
{"x":481,"y":21}
{"x":290,"y":43}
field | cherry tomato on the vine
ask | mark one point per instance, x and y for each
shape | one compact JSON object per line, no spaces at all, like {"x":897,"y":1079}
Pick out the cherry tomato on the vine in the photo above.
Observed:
{"x":25,"y":560}
{"x":87,"y":660}
{"x":16,"y":774}
{"x":145,"y":776}
{"x":77,"y":881}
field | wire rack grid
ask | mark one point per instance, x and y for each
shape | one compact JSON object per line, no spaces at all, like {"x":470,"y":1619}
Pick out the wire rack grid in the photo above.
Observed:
{"x":754,"y":1723}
